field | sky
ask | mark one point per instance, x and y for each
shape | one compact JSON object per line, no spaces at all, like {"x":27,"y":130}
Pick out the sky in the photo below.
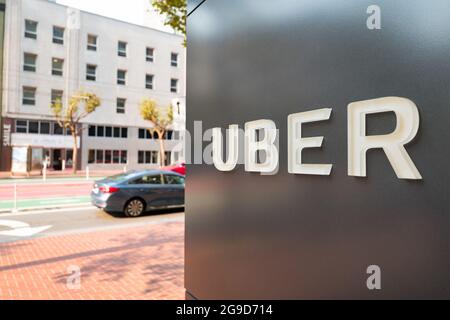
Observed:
{"x":134,"y":11}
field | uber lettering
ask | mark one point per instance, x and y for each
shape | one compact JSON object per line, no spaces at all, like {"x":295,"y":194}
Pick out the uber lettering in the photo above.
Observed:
{"x":393,"y":144}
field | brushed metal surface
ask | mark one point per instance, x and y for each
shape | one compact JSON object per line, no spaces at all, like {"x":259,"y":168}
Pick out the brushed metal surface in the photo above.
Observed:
{"x":296,"y":236}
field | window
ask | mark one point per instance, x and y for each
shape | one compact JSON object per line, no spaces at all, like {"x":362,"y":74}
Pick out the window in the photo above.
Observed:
{"x":174,"y":59}
{"x":123,"y":156}
{"x":31,"y":29}
{"x":120,"y":105}
{"x":173,"y":179}
{"x":91,"y":131}
{"x":99,"y":154}
{"x":69,"y":158}
{"x":149,"y":54}
{"x":91,"y":156}
{"x":57,"y":129}
{"x":167,"y":157}
{"x":121,"y":77}
{"x":168,"y":135}
{"x":154,"y":156}
{"x":148,"y":157}
{"x":91,"y":72}
{"x":29,"y":62}
{"x":149,"y":81}
{"x":100,"y":131}
{"x":116,"y":156}
{"x":141,"y":133}
{"x":91,"y":42}
{"x":57,"y":66}
{"x":29,"y":96}
{"x":44,"y":128}
{"x":122,"y":49}
{"x":155,"y":179}
{"x":21,"y":126}
{"x":124,"y":132}
{"x":174,"y":85}
{"x":108,"y":132}
{"x":117,"y":132}
{"x":57,"y":95}
{"x":108,"y":157}
{"x":58,"y":35}
{"x":33,"y":127}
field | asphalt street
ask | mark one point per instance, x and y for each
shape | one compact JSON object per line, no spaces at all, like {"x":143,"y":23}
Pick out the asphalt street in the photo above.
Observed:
{"x":21,"y":226}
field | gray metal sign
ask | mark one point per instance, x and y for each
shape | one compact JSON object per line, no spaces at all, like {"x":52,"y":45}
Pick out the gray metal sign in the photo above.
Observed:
{"x":297,"y":235}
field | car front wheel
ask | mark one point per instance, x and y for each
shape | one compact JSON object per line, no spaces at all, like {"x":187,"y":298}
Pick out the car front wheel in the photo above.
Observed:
{"x":134,"y":208}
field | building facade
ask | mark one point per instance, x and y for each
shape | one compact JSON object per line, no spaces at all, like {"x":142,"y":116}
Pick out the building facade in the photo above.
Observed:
{"x":52,"y":52}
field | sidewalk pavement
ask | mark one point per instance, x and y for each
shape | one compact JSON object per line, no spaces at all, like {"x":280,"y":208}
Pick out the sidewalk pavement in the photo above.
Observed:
{"x":129,"y":263}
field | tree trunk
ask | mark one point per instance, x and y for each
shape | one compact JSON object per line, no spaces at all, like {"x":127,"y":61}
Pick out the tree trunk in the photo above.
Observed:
{"x":75,"y":153}
{"x":162,"y":155}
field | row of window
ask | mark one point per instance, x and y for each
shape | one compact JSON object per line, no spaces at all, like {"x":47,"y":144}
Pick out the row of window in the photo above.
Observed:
{"x":147,"y":134}
{"x":107,"y":132}
{"x":120,"y":132}
{"x":152,"y":157}
{"x":98,"y":156}
{"x":30,"y":60}
{"x":48,"y":127}
{"x":107,"y":157}
{"x":91,"y":75}
{"x":92,"y":42}
{"x":29,"y":98}
{"x":40,"y":127}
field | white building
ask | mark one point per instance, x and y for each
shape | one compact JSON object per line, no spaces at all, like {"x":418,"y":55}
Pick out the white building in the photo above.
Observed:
{"x":55,"y":51}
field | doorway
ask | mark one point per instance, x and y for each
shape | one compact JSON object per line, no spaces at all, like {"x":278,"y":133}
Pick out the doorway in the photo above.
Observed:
{"x":57,"y":159}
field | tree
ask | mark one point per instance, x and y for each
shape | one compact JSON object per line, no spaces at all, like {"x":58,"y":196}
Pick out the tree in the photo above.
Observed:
{"x":175,"y":12}
{"x":161,"y":122}
{"x":69,"y":117}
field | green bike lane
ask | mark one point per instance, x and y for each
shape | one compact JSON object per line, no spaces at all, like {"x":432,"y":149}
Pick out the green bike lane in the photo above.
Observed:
{"x":8,"y":205}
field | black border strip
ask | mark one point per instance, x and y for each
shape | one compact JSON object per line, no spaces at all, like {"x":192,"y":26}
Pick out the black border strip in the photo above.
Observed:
{"x":192,"y":11}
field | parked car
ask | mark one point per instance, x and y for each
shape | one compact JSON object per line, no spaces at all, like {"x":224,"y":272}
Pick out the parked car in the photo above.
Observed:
{"x":135,"y":192}
{"x":179,"y":168}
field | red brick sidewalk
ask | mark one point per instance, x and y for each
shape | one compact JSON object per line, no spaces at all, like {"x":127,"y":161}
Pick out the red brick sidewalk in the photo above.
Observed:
{"x":130,"y":263}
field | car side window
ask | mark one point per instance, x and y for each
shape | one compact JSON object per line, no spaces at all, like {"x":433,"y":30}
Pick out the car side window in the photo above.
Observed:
{"x":172,"y":179}
{"x":153,"y":179}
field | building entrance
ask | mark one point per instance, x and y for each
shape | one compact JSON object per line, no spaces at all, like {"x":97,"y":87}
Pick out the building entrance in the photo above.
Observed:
{"x":57,"y":159}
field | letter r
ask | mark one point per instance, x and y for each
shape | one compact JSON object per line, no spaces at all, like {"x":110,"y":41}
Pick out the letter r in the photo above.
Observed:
{"x":359,"y":143}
